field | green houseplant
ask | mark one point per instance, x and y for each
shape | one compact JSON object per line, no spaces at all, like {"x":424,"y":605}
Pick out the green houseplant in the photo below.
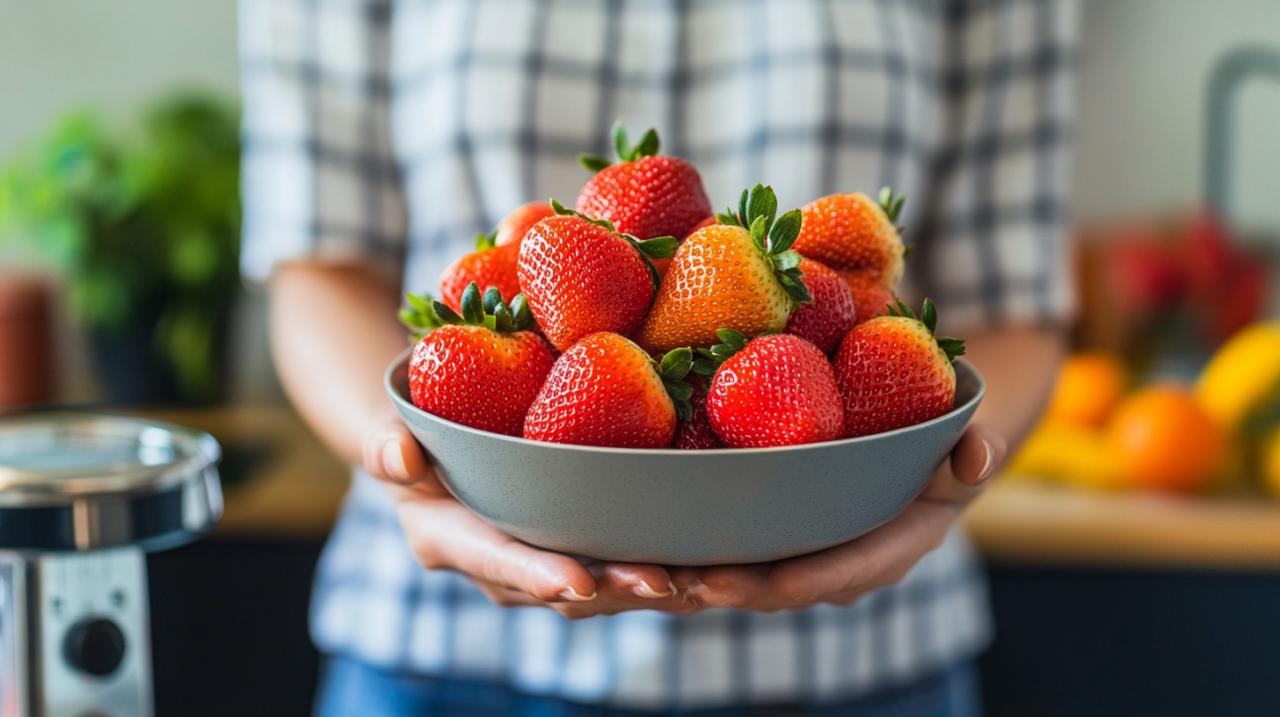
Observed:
{"x":144,"y":227}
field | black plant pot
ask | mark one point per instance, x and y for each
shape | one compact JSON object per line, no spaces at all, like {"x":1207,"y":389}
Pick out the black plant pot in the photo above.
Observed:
{"x":132,"y":371}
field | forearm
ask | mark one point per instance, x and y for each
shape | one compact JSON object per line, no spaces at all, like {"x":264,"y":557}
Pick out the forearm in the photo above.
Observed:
{"x":1019,"y":366}
{"x":333,"y":332}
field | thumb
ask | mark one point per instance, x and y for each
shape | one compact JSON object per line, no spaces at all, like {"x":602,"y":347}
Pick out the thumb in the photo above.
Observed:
{"x":390,"y":453}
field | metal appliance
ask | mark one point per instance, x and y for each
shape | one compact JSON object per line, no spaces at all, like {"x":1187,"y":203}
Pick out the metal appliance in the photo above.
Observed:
{"x":82,"y":499}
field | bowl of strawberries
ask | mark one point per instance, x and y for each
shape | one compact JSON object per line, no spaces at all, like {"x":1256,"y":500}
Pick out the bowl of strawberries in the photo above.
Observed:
{"x":638,"y":380}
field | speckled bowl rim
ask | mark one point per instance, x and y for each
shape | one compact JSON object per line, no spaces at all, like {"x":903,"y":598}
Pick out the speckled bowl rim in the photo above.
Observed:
{"x":406,"y":405}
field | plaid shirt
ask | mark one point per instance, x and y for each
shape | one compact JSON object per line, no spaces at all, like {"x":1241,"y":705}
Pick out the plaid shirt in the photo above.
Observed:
{"x":391,"y":132}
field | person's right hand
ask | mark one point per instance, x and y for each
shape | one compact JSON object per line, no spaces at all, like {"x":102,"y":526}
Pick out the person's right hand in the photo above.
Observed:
{"x":444,"y":534}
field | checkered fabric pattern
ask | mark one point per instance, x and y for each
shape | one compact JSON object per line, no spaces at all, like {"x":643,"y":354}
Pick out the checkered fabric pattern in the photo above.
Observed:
{"x":391,"y":132}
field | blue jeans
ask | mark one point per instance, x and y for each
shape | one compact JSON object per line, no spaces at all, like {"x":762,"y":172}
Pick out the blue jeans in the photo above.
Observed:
{"x":350,"y":688}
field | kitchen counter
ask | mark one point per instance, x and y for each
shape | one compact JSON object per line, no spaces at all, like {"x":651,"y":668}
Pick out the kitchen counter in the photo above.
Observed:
{"x":281,"y":482}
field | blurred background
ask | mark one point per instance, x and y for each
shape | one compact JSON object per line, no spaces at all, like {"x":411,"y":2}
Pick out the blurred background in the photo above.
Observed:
{"x":1134,"y":546}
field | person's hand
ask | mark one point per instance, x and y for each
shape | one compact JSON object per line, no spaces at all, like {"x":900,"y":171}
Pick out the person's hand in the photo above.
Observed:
{"x":444,"y":534}
{"x":844,"y":573}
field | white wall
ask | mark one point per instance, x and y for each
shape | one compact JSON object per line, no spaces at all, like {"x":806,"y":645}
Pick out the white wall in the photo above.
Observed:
{"x":1145,"y":64}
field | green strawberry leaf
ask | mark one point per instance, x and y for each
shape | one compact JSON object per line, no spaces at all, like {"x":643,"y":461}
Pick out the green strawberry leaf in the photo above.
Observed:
{"x":521,"y":317}
{"x":735,"y":340}
{"x":794,"y":285}
{"x":929,"y":316}
{"x":727,"y":217}
{"x":704,"y":367}
{"x":447,"y":315}
{"x":787,"y":260}
{"x":647,"y":147}
{"x":953,"y":348}
{"x":675,"y":364}
{"x":593,"y":163}
{"x":759,"y":229}
{"x":502,"y":319}
{"x":655,"y":248}
{"x":762,"y":202}
{"x":891,"y":203}
{"x":784,"y":231}
{"x":486,"y":241}
{"x":621,"y":145}
{"x":472,"y":305}
{"x":564,"y":211}
{"x":419,"y":316}
{"x":492,"y":299}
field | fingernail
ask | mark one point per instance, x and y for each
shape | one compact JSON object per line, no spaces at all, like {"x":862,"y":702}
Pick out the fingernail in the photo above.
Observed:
{"x":643,"y":590}
{"x":703,"y":594}
{"x":393,"y":461}
{"x":988,"y":463}
{"x":573,"y":596}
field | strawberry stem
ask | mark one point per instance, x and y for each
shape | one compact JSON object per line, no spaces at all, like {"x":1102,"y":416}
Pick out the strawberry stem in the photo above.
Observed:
{"x":952,"y":347}
{"x":486,"y":241}
{"x":423,"y":315}
{"x":623,"y":150}
{"x":673,"y":368}
{"x":891,"y":203}
{"x":773,"y":235}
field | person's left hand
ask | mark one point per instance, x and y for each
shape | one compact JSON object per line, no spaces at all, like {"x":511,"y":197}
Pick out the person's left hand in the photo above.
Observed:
{"x":844,"y":573}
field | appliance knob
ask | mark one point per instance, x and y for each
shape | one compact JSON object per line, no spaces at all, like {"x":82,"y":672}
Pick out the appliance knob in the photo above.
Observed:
{"x":94,"y":645}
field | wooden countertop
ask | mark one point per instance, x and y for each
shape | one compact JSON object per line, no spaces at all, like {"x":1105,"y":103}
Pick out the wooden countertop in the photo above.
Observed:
{"x":1030,"y":523}
{"x":282,"y":483}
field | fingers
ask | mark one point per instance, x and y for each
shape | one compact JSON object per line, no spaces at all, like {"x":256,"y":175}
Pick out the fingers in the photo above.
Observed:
{"x":391,"y":454}
{"x":646,"y":582}
{"x":444,"y":534}
{"x":976,"y":457}
{"x":881,"y":557}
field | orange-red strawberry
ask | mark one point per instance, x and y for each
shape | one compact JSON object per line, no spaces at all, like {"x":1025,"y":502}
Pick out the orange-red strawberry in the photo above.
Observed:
{"x":893,"y":372}
{"x":662,"y":264}
{"x":870,"y":297}
{"x":829,"y":316}
{"x":739,"y":274}
{"x":581,"y":276}
{"x":695,"y":433}
{"x":774,"y":390}
{"x":646,"y":194}
{"x":481,"y":369}
{"x":606,"y":391}
{"x":855,"y":232}
{"x":487,"y":266}
{"x":515,"y":225}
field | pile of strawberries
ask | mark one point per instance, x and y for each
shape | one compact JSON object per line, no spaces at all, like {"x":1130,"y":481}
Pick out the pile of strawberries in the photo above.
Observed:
{"x":639,"y":319}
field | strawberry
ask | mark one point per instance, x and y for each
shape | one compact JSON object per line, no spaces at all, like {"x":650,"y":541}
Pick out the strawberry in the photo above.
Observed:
{"x":606,"y":391}
{"x":826,"y":319}
{"x":646,"y":194}
{"x":739,"y":274}
{"x":892,"y":371}
{"x":487,"y":266}
{"x":515,"y":225}
{"x":870,"y":297}
{"x":582,"y":276}
{"x":695,"y":433}
{"x":662,"y":264}
{"x":855,"y":232}
{"x":774,"y":390}
{"x":482,"y":368}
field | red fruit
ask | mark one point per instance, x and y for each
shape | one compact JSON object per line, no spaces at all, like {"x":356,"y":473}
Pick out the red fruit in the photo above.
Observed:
{"x":826,"y":319}
{"x":739,"y":274}
{"x":776,"y":390}
{"x":487,"y":266}
{"x":515,"y":225}
{"x":855,"y":232}
{"x":465,"y":372}
{"x":582,"y":277}
{"x":696,"y":434}
{"x":606,"y":391}
{"x":870,"y":297}
{"x":662,"y":264}
{"x":892,"y":372}
{"x":645,"y":195}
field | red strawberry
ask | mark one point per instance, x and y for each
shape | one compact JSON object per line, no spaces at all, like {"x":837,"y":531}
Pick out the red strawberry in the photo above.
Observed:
{"x":582,"y":276}
{"x":775,"y":390}
{"x":826,"y":319}
{"x":855,"y":232}
{"x":739,"y":274}
{"x":645,"y":195}
{"x":481,"y":369}
{"x":893,"y":372}
{"x":695,"y":433}
{"x":515,"y":225}
{"x":870,"y":297}
{"x":606,"y":391}
{"x":487,"y":266}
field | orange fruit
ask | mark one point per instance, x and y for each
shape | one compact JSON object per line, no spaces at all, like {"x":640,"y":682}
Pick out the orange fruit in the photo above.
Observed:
{"x":1089,"y":387}
{"x":1163,"y":439}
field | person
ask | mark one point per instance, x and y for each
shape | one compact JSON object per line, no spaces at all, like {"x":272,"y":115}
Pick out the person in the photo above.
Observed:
{"x":381,"y":136}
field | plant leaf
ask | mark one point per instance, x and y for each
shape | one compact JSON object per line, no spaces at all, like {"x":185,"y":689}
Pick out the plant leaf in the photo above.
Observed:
{"x":492,"y":299}
{"x":592,"y":162}
{"x":486,"y":241}
{"x":472,"y":305}
{"x":657,"y":247}
{"x":784,"y":231}
{"x":648,"y":145}
{"x":621,"y":145}
{"x":929,"y":316}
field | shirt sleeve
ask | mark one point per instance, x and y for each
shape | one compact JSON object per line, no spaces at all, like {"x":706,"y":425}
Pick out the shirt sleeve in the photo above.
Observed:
{"x":993,"y":244}
{"x":318,"y":175}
